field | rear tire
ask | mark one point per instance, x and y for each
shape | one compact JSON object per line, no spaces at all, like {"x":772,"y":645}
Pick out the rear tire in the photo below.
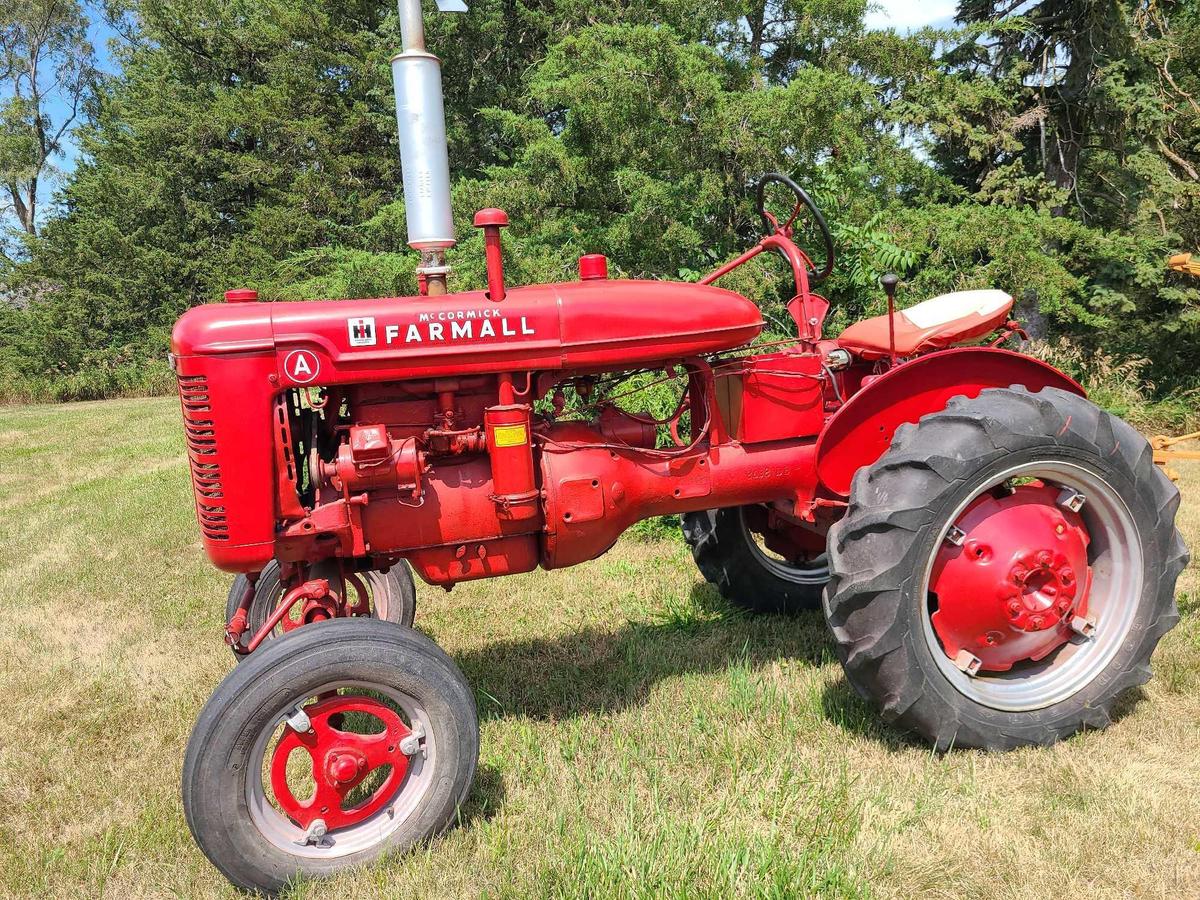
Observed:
{"x":253,"y":838}
{"x":729,"y":558}
{"x":393,"y":592}
{"x":901,"y":513}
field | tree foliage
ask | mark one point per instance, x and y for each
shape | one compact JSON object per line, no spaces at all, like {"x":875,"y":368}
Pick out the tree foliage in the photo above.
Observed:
{"x":252,"y":142}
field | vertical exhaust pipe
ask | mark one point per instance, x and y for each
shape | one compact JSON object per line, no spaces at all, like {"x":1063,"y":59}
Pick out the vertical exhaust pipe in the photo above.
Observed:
{"x":421,"y":122}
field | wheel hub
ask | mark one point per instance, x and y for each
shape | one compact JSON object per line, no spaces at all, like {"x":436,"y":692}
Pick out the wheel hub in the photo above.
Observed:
{"x":343,"y":767}
{"x":1046,"y":589}
{"x":341,"y":761}
{"x":1011,"y":578}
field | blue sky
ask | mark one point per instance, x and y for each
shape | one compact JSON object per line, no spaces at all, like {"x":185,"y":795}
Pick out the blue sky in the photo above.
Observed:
{"x":908,"y":15}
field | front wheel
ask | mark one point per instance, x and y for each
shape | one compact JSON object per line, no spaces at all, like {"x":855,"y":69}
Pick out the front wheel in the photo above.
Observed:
{"x":1005,"y":571}
{"x":326,"y":748}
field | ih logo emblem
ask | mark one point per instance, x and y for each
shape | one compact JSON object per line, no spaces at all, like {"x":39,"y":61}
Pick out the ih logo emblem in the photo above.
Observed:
{"x":362,"y":331}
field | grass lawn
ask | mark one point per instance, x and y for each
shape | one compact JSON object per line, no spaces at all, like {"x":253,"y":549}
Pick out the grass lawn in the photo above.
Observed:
{"x":638,"y":738}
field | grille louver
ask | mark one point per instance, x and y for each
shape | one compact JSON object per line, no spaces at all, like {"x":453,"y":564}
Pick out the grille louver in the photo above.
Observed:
{"x":202,"y":454}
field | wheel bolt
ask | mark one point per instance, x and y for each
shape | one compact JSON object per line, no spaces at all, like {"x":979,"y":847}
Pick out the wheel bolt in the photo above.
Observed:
{"x":1036,"y":622}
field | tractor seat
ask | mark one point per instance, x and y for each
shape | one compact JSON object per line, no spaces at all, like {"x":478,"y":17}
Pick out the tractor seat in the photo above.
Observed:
{"x":930,"y":325}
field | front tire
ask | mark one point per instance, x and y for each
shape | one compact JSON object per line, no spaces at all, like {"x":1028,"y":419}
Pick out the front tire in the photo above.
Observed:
{"x":971,"y":548}
{"x":373,"y":719}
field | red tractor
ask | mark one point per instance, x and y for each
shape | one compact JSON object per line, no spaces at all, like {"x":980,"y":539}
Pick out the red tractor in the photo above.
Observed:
{"x":995,"y":556}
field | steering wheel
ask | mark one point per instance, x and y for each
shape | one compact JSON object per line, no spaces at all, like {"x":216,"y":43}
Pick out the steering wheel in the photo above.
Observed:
{"x":802,"y":200}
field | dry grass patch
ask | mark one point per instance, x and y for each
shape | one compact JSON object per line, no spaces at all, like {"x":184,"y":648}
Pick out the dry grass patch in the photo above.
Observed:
{"x":639,"y":739}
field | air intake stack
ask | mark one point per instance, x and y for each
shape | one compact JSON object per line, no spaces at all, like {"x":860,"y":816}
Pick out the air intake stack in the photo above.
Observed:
{"x":421,"y":121}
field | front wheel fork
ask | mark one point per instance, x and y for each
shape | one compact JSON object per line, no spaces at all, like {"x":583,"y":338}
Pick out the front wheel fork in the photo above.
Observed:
{"x":320,"y":603}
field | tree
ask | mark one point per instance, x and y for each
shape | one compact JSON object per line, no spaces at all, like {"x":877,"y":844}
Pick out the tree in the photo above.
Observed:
{"x":47,"y":68}
{"x":1093,"y":96}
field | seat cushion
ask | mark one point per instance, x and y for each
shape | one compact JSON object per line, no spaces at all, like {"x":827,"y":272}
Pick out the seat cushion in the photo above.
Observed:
{"x":931,"y":325}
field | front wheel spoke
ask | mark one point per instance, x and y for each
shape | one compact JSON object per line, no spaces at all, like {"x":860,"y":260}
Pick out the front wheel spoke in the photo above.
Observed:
{"x":324,"y":811}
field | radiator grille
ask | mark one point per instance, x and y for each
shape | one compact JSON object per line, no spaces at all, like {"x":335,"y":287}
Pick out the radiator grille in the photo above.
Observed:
{"x":202,"y":454}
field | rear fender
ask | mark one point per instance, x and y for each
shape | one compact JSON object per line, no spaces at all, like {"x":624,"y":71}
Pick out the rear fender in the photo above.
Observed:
{"x":859,"y":433}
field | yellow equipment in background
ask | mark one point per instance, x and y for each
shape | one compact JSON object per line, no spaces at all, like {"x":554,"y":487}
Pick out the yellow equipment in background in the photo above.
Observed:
{"x":1183,"y":262}
{"x":1161,"y":445}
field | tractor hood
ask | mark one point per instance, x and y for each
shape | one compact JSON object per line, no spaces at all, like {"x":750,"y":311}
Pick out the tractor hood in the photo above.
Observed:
{"x":581,"y":325}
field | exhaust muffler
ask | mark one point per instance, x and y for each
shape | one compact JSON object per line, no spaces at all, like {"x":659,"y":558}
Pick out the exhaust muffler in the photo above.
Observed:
{"x":421,"y":122}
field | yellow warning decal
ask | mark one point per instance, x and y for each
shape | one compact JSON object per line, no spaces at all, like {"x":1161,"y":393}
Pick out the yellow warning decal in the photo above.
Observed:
{"x":510,"y":435}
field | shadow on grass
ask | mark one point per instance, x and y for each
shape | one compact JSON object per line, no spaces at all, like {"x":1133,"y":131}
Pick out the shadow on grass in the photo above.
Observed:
{"x":593,"y":670}
{"x":843,"y":706}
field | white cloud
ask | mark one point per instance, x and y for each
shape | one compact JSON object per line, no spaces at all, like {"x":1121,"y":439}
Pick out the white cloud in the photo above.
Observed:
{"x":909,"y":15}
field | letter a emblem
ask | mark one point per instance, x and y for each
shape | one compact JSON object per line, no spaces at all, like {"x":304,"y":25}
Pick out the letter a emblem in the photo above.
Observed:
{"x":302,"y":366}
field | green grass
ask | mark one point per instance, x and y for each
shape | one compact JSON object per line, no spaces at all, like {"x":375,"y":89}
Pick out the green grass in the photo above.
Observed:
{"x":638,"y":738}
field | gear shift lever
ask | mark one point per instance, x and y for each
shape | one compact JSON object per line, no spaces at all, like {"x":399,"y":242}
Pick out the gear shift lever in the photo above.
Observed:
{"x":889,"y":282}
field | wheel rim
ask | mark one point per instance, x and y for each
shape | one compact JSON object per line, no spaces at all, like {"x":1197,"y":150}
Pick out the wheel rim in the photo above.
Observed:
{"x":812,"y":572}
{"x":358,"y":803}
{"x":1009,"y":614}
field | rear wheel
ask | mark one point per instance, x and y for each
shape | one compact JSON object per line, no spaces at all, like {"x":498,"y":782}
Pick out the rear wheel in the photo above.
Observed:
{"x":326,"y":748}
{"x":392,"y":597}
{"x":1005,"y":570}
{"x":734,"y":551}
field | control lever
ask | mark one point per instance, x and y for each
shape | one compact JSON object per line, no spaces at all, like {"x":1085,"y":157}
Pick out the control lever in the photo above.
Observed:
{"x":890,"y":281}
